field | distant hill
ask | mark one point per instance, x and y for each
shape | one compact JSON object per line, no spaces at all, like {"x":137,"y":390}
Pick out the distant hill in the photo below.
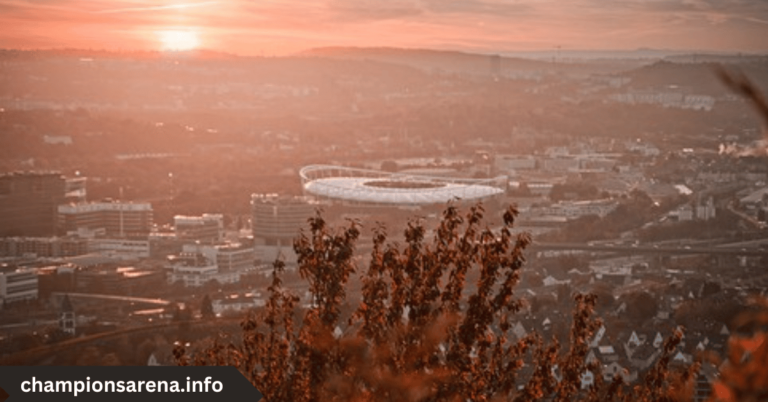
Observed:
{"x":433,"y":60}
{"x":701,"y":76}
{"x":197,"y":54}
{"x":717,"y":58}
{"x":648,"y":54}
{"x":448,"y":61}
{"x":299,"y":70}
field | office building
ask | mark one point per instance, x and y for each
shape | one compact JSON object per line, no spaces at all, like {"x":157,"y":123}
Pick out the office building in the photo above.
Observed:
{"x":208,"y":228}
{"x":234,"y":257}
{"x":122,"y":219}
{"x":277,"y":221}
{"x":198,"y":264}
{"x":121,"y":249}
{"x":117,"y":281}
{"x":46,"y":247}
{"x":28,"y":202}
{"x":17,"y":285}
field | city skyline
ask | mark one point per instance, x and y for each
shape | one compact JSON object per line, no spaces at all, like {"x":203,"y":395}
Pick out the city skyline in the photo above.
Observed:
{"x":285,"y":27}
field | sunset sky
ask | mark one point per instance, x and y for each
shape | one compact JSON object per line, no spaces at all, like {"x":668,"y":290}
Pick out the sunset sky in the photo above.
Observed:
{"x":280,"y":27}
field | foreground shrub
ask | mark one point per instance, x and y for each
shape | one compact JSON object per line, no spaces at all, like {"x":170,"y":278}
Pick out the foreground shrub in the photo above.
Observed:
{"x":421,"y":332}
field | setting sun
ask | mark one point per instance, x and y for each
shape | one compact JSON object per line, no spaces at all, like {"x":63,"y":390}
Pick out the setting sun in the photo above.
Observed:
{"x":176,"y":40}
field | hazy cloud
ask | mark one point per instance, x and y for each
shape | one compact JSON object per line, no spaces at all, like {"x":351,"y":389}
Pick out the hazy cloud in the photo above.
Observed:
{"x":366,"y":10}
{"x":480,"y":7}
{"x":157,"y":7}
{"x":285,"y":26}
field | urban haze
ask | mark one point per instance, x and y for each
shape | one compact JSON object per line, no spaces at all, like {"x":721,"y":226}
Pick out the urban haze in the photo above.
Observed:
{"x":157,"y":158}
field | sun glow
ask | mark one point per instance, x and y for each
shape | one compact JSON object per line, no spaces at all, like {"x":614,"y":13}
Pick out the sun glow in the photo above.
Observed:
{"x":178,"y":40}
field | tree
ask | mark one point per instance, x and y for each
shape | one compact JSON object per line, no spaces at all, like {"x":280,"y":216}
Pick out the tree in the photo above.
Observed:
{"x":744,"y":376}
{"x":179,"y":314}
{"x":110,"y":359}
{"x":206,"y":308}
{"x":641,"y":306}
{"x":144,"y":350}
{"x":534,"y":279}
{"x":211,"y":286}
{"x":564,"y":292}
{"x":432,"y":323}
{"x":55,"y":334}
{"x":90,"y":356}
{"x":582,"y":190}
{"x":604,"y":293}
{"x":710,"y":288}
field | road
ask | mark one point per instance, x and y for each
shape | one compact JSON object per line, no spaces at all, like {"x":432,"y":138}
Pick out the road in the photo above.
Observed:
{"x":651,"y":249}
{"x":157,"y":302}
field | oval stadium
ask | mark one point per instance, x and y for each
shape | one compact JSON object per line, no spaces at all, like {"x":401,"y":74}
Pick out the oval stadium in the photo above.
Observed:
{"x":363,"y":186}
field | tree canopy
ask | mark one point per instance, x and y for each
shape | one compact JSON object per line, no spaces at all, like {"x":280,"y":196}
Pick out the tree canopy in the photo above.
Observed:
{"x":433,"y":323}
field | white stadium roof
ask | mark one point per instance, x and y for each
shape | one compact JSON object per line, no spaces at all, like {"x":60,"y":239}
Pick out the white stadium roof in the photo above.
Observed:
{"x":369,"y":186}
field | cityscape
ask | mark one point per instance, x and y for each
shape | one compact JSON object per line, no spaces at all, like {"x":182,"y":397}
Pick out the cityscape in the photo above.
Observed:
{"x":155,"y":201}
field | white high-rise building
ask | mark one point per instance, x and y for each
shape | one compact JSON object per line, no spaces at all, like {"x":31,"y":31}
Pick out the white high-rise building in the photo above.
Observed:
{"x":17,"y":285}
{"x":116,"y":218}
{"x":198,"y":264}
{"x":207,"y":228}
{"x":277,"y":221}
